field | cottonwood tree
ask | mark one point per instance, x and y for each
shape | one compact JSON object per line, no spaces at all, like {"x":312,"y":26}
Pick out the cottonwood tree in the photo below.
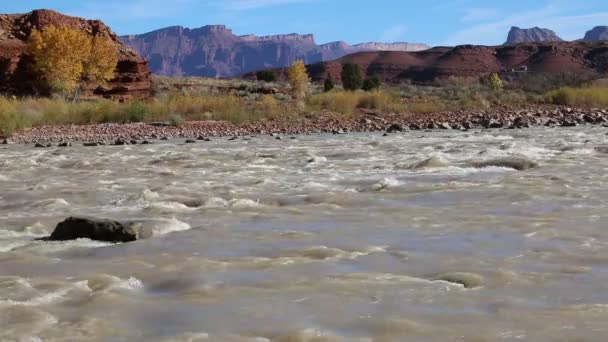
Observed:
{"x":64,"y":58}
{"x":298,"y":80}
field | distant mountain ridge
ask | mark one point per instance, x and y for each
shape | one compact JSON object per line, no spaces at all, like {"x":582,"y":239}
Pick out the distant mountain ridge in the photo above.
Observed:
{"x":542,"y":35}
{"x":215,"y":51}
{"x":596,"y":34}
{"x":532,"y":35}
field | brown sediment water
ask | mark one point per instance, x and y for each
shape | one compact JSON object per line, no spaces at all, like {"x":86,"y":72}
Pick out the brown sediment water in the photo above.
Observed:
{"x":426,"y":236}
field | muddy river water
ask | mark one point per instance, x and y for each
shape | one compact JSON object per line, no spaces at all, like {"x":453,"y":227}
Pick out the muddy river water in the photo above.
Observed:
{"x":353,"y":237}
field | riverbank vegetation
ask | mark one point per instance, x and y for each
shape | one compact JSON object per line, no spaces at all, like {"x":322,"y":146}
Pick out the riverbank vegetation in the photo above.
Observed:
{"x":176,"y":100}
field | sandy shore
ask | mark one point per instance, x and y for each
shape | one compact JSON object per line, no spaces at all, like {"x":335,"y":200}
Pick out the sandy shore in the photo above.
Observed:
{"x":364,"y":121}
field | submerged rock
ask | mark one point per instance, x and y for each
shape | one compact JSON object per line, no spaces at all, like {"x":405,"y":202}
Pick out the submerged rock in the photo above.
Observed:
{"x":432,"y":162}
{"x":394,"y":128}
{"x":516,"y":163}
{"x":468,"y":280}
{"x":100,"y":230}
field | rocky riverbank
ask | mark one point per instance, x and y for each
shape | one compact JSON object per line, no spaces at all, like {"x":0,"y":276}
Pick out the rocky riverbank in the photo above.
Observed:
{"x":325,"y":122}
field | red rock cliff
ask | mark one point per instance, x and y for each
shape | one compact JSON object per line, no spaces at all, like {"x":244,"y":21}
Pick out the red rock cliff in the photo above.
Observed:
{"x":132,"y":77}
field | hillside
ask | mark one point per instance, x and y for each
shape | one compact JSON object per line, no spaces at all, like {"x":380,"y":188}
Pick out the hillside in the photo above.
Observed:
{"x":472,"y":61}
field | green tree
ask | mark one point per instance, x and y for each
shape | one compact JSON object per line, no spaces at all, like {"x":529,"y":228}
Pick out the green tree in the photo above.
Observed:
{"x":298,"y":80}
{"x":496,"y":83}
{"x":266,"y":76}
{"x":371,"y":83}
{"x":64,"y":58}
{"x":351,"y":76}
{"x":329,"y":83}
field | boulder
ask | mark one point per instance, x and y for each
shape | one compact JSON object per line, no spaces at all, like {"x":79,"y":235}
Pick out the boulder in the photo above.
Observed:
{"x":100,"y":230}
{"x":394,"y":128}
{"x":516,"y":163}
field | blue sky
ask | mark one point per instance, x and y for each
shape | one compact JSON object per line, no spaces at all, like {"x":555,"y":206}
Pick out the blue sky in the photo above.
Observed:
{"x":355,"y":21}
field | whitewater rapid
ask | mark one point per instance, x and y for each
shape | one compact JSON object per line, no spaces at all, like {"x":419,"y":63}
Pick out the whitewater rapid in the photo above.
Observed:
{"x":427,"y":236}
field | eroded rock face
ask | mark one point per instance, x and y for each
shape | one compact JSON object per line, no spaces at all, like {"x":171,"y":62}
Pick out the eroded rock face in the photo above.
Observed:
{"x":132,"y":77}
{"x":214,"y":51}
{"x":100,"y":230}
{"x":598,"y":33}
{"x":531,"y":35}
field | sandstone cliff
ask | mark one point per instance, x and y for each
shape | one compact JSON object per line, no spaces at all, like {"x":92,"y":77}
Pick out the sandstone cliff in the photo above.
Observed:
{"x":214,"y":51}
{"x":132,"y":77}
{"x":531,"y":35}
{"x":597,"y":34}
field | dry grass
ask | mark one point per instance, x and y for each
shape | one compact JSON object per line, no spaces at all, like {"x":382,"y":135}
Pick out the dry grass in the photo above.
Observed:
{"x":593,"y":96}
{"x":347,"y":102}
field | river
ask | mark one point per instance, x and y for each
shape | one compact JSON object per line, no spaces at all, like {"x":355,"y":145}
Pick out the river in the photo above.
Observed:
{"x":354,"y":237}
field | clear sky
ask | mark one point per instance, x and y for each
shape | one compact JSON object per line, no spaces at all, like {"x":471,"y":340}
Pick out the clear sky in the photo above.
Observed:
{"x":355,"y":21}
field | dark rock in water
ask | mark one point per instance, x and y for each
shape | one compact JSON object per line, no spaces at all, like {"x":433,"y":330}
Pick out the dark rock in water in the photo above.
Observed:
{"x":602,"y":149}
{"x":90,"y":144}
{"x":337,"y":131}
{"x":468,"y":280}
{"x":569,"y":124}
{"x":278,"y":138}
{"x":65,"y":144}
{"x":164,"y":138}
{"x":394,"y":128}
{"x":146,"y":142}
{"x":516,"y":163}
{"x":292,"y":138}
{"x":385,"y":135}
{"x":133,"y":142}
{"x":415,"y":127}
{"x":100,"y":230}
{"x":432,"y":162}
{"x":200,"y":138}
{"x":39,"y":145}
{"x":119,"y":142}
{"x":4,"y":142}
{"x":233,"y":138}
{"x":521,"y":122}
{"x":190,"y":141}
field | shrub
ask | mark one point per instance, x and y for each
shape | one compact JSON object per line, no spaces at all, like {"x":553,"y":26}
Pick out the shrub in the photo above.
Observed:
{"x":351,"y":76}
{"x":590,"y":96}
{"x":496,"y":83}
{"x":329,"y":83}
{"x":371,"y":83}
{"x":176,"y":120}
{"x":137,"y":112}
{"x":266,"y":76}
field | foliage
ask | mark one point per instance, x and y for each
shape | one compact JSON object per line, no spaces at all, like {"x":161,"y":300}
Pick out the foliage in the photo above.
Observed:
{"x":266,"y":76}
{"x":371,"y":83}
{"x":347,"y":102}
{"x":329,"y":83}
{"x":496,"y":83}
{"x":298,"y":80}
{"x":63,"y":57}
{"x":102,"y":61}
{"x":351,"y":76}
{"x":137,"y":112}
{"x":588,"y":97}
{"x":176,"y":120}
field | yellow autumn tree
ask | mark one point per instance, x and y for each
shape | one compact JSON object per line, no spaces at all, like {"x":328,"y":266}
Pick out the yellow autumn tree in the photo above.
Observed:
{"x":298,"y":80}
{"x":63,"y":57}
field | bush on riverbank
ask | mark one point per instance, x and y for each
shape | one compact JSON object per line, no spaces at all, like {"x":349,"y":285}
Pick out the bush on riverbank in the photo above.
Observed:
{"x":347,"y":102}
{"x":593,"y":96}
